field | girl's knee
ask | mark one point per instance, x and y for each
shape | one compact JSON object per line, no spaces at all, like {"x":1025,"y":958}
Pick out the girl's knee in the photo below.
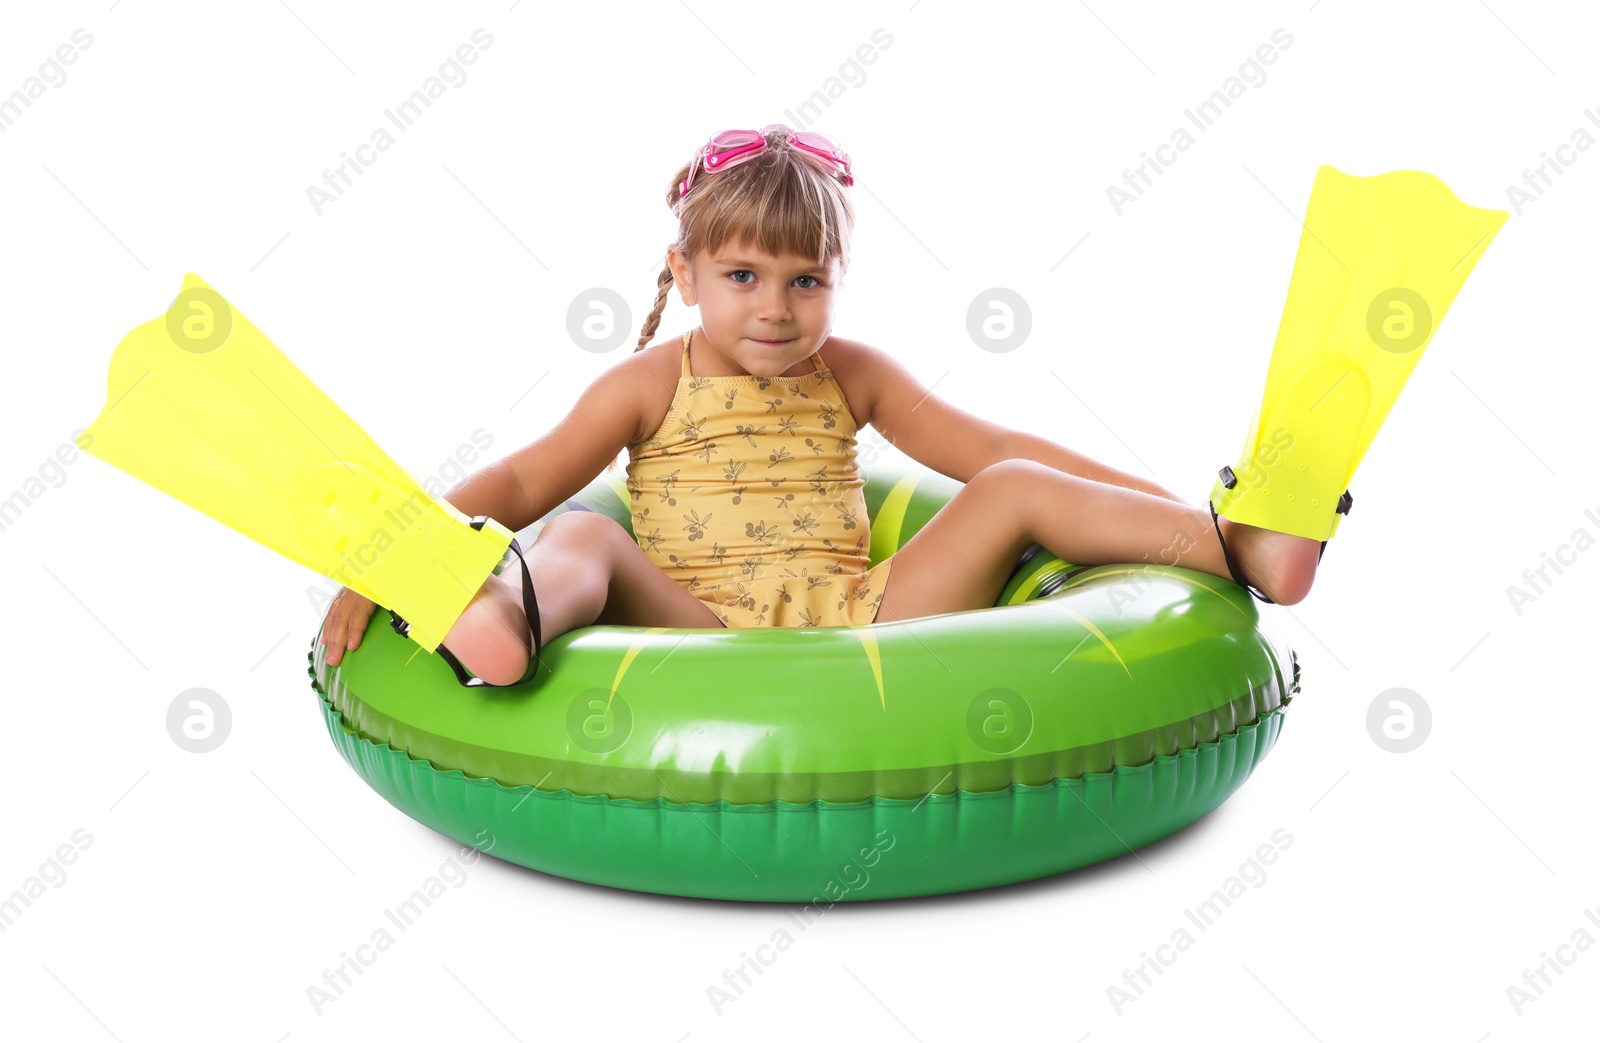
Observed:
{"x":1013,"y":469}
{"x":589,"y":528}
{"x":1006,"y":495}
{"x":1009,"y":477}
{"x":588,"y":543}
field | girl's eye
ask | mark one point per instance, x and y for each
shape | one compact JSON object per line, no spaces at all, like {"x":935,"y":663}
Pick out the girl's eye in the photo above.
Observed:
{"x":734,"y":275}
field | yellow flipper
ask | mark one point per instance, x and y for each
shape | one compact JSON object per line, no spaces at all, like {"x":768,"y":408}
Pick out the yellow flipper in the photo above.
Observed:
{"x":202,"y":406}
{"x":1381,"y":259}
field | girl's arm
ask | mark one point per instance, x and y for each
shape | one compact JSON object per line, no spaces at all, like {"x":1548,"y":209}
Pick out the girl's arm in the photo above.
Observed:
{"x":1025,"y":446}
{"x":493,"y":489}
{"x":954,"y":442}
{"x":531,"y":482}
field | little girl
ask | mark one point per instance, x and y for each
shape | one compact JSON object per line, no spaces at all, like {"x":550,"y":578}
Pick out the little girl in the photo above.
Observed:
{"x":747,"y":500}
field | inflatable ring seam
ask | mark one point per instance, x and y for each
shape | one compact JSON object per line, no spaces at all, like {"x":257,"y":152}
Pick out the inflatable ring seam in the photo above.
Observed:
{"x":645,"y":784}
{"x":335,"y":719}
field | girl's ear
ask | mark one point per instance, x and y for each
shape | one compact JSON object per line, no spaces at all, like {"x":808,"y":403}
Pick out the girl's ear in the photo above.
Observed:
{"x":681,"y":276}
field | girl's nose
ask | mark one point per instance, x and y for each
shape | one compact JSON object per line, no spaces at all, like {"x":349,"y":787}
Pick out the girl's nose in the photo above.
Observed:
{"x":774,"y":305}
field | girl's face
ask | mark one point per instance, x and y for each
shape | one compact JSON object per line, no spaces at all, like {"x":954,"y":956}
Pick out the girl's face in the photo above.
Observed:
{"x":749,"y":299}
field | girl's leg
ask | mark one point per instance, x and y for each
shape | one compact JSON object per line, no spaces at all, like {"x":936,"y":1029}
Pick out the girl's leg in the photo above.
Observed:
{"x":962,"y":558}
{"x":586,"y":569}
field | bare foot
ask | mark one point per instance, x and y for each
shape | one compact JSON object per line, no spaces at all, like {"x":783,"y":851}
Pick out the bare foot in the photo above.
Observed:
{"x":1279,"y":564}
{"x":492,"y":638}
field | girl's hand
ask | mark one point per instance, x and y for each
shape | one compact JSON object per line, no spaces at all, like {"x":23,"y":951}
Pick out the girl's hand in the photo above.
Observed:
{"x":346,"y":623}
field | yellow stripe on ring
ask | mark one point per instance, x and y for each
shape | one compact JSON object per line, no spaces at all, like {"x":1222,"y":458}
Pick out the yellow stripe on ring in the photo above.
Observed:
{"x":891,"y":518}
{"x":627,"y":661}
{"x":1083,"y":620}
{"x":621,"y":489}
{"x":869,"y":644}
{"x":1029,"y":586}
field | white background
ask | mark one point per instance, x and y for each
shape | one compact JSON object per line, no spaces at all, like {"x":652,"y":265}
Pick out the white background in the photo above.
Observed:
{"x":433,"y":296}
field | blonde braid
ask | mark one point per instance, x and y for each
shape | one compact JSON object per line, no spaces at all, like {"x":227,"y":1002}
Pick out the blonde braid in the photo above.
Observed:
{"x":663,"y":284}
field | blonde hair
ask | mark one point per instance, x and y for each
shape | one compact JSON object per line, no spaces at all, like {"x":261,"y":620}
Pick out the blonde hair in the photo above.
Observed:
{"x":782,"y":202}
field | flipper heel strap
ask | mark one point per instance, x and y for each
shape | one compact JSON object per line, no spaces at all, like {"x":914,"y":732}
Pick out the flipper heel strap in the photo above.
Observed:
{"x":530,"y":607}
{"x":1345,"y":503}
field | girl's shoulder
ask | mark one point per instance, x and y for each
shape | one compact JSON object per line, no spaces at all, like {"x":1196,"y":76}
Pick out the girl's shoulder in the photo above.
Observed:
{"x":660,"y":365}
{"x":661,"y":359}
{"x":657,"y":368}
{"x":853,"y":366}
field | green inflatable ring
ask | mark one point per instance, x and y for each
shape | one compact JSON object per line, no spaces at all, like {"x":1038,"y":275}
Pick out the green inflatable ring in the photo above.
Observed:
{"x":1092,"y":711}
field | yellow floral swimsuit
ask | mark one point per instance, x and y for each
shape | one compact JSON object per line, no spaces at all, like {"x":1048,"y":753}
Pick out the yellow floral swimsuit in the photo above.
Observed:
{"x":750,"y":497}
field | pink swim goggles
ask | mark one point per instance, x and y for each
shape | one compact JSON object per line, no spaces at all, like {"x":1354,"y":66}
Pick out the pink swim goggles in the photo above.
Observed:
{"x":732,"y":147}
